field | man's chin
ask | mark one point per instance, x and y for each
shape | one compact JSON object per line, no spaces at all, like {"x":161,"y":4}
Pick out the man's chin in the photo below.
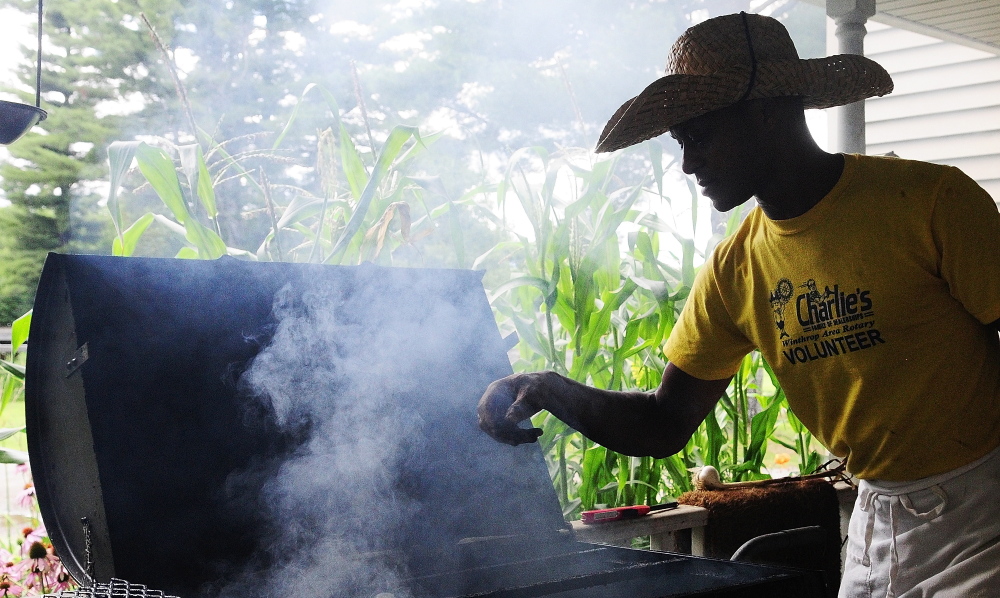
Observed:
{"x":724,"y":199}
{"x":724,"y":204}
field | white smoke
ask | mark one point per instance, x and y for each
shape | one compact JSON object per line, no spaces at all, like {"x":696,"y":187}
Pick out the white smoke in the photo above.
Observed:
{"x":365,"y":371}
{"x":335,"y":500}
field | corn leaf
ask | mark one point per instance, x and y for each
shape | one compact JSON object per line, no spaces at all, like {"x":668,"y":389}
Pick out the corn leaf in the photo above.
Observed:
{"x":170,"y":225}
{"x":593,"y":467}
{"x":187,"y":253}
{"x":205,"y":243}
{"x":656,"y":160}
{"x":678,"y":473}
{"x":610,"y":221}
{"x":19,"y":331}
{"x":159,"y":170}
{"x":687,"y":261}
{"x":12,"y":368}
{"x":120,"y":156}
{"x":126,"y":243}
{"x":209,"y":244}
{"x":300,"y":208}
{"x":390,"y":150}
{"x":527,"y":332}
{"x":12,"y":456}
{"x":761,"y":429}
{"x":375,"y":237}
{"x":539,"y":283}
{"x":716,"y":439}
{"x":241,"y":253}
{"x":6,"y":433}
{"x":500,"y":251}
{"x":199,"y":180}
{"x":352,"y":164}
{"x":659,"y":289}
{"x":331,"y":104}
{"x":10,"y":386}
{"x":524,"y":194}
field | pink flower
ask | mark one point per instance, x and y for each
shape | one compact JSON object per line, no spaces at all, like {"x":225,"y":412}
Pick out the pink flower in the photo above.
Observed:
{"x":6,"y":562}
{"x":36,"y":569}
{"x":59,"y":578}
{"x":32,"y":535}
{"x":8,"y":587}
{"x":26,"y":497}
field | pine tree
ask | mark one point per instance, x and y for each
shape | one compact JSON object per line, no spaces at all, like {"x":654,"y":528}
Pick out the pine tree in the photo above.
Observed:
{"x":93,"y":52}
{"x":511,"y":72}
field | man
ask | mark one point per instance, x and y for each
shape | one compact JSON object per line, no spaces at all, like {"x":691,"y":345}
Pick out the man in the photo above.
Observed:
{"x":871,"y":285}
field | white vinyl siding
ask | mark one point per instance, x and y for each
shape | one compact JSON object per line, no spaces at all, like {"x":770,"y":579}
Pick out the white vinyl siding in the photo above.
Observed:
{"x":945,"y":107}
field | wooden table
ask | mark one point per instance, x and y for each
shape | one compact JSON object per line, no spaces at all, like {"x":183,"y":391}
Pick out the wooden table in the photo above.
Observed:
{"x":676,"y":530}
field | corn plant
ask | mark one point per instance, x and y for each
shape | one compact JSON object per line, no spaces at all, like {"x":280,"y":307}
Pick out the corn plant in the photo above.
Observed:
{"x":597,"y":307}
{"x":362,"y":216}
{"x":585,"y":299}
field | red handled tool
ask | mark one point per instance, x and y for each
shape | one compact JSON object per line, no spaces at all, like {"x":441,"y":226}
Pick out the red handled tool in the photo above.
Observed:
{"x":619,"y":513}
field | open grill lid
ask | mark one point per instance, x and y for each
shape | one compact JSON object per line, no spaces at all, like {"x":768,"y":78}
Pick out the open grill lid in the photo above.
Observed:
{"x":225,"y":426}
{"x":140,"y":417}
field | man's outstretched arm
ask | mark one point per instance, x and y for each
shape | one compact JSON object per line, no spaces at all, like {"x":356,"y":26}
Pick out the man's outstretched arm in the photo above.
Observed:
{"x":657,"y":423}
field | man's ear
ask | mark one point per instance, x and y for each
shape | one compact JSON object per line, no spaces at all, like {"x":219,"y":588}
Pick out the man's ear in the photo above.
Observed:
{"x":760,"y":120}
{"x":777,"y":118}
{"x":771,"y":113}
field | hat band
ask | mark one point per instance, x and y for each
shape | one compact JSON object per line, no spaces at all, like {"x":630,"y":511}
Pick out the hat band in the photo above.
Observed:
{"x":753,"y":58}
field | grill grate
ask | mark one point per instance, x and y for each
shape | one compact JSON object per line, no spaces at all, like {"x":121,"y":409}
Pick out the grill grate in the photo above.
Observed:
{"x":116,"y":588}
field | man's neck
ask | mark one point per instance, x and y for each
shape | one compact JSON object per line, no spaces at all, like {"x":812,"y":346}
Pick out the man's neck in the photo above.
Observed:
{"x":801,"y":178}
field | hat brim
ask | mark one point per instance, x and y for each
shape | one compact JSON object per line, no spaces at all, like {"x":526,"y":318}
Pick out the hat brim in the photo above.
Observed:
{"x":673,"y":99}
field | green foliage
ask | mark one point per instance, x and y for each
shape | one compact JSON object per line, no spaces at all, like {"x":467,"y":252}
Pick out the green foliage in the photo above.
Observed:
{"x":585,"y":300}
{"x":101,"y":59}
{"x":18,"y":275}
{"x":361,"y":215}
{"x":506,"y":72}
{"x":88,"y":54}
{"x":597,"y":307}
{"x":12,"y":384}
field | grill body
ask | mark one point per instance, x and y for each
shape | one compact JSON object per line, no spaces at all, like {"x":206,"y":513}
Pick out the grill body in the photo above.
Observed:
{"x":140,"y":420}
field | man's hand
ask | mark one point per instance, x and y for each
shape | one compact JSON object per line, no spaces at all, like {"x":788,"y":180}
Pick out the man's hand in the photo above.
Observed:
{"x":506,"y":403}
{"x":633,"y":423}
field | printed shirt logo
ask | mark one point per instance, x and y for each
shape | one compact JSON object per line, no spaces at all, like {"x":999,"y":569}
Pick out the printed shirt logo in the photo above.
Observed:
{"x":827,"y":324}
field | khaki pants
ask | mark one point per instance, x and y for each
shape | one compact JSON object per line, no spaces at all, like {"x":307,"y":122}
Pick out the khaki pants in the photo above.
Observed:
{"x":939,"y":536}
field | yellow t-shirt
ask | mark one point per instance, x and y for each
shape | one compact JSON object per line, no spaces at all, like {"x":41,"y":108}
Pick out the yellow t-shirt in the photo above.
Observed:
{"x":870,"y":308}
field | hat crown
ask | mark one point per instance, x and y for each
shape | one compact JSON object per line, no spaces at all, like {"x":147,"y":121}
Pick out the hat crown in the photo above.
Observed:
{"x":711,"y":66}
{"x":721,"y":43}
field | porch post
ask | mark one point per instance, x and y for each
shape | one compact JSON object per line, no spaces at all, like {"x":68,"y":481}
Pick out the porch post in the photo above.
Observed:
{"x":850,"y":17}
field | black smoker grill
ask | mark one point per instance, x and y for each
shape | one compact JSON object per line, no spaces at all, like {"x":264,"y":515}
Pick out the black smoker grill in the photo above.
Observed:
{"x":144,"y":421}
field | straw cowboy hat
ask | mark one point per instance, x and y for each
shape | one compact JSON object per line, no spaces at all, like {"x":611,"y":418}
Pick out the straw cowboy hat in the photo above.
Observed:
{"x":739,"y":57}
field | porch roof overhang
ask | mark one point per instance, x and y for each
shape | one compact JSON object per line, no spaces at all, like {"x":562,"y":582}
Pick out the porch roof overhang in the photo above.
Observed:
{"x":974,"y":23}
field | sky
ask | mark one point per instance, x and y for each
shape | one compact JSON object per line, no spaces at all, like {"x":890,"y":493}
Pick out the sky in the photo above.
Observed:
{"x":15,"y":29}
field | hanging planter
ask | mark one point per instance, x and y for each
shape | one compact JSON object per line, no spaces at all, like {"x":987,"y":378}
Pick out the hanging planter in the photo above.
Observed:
{"x":16,"y":118}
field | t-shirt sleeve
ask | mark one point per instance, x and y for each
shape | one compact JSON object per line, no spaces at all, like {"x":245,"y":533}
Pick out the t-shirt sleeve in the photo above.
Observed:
{"x":706,"y":342}
{"x":966,"y":229}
